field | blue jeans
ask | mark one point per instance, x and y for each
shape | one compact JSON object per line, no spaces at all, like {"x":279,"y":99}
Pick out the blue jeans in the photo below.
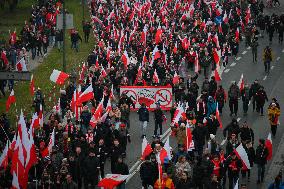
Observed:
{"x":33,"y":52}
{"x":75,"y":45}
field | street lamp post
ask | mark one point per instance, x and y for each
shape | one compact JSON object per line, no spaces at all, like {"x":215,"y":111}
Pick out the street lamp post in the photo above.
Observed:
{"x":64,"y":29}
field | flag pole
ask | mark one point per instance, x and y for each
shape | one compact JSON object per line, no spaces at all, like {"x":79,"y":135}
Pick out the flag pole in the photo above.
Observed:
{"x":5,"y":132}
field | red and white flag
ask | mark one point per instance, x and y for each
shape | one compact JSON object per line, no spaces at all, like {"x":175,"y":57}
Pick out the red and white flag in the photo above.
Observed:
{"x":98,"y":114}
{"x":237,"y":35}
{"x":4,"y":58}
{"x":175,"y":48}
{"x":146,"y":149}
{"x":217,"y":73}
{"x":4,"y":156}
{"x":47,"y":151}
{"x":12,"y":146}
{"x":103,"y":72}
{"x":32,"y":86}
{"x":165,"y":152}
{"x":58,"y":77}
{"x":225,"y":18}
{"x":125,"y":59}
{"x":175,"y":78}
{"x":11,"y":99}
{"x":188,"y":137}
{"x":15,"y":181}
{"x":87,"y":95}
{"x":82,"y":73}
{"x":218,"y":116}
{"x":156,"y":77}
{"x":158,"y":36}
{"x":34,"y":123}
{"x":156,"y":54}
{"x":241,"y":83}
{"x":21,"y":65}
{"x":196,"y":63}
{"x":216,"y":41}
{"x":112,"y":180}
{"x":268,"y":145}
{"x":144,"y":36}
{"x":217,"y":56}
{"x":242,"y":154}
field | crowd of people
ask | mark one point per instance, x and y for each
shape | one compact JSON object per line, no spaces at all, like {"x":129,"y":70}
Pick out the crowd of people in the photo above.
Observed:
{"x":137,"y":40}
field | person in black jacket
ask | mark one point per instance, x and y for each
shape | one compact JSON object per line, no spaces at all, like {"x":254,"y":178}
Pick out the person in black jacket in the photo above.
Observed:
{"x":246,"y":133}
{"x":233,"y":165}
{"x":143,"y":118}
{"x":75,"y":37}
{"x":251,"y":157}
{"x":91,"y":167}
{"x":252,"y":93}
{"x":149,"y":172}
{"x":121,"y":168}
{"x":158,"y":117}
{"x":199,"y":135}
{"x":261,"y":160}
{"x":184,"y":182}
{"x":233,"y":127}
{"x":115,"y":152}
{"x":101,"y":155}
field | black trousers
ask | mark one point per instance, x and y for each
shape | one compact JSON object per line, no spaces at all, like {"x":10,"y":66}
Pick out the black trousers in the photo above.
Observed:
{"x":158,"y":124}
{"x":273,"y":129}
{"x":233,"y":104}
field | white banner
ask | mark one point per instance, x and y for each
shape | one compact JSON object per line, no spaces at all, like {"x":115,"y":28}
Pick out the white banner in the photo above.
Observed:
{"x":149,"y":95}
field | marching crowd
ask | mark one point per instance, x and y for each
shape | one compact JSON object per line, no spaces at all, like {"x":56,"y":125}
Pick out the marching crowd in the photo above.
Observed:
{"x":152,"y":43}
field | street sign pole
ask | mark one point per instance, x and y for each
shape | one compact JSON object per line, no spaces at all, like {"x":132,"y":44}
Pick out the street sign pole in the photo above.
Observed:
{"x":64,"y":28}
{"x":83,"y":10}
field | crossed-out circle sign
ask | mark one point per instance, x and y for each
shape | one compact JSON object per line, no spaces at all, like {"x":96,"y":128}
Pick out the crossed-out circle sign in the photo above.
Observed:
{"x":164,"y":97}
{"x":132,"y":95}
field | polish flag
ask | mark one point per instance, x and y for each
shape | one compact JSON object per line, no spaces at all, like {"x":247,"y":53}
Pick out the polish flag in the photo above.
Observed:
{"x":112,"y":180}
{"x":58,"y":77}
{"x":125,"y":59}
{"x":175,"y":78}
{"x":216,"y":40}
{"x":220,"y":28}
{"x":242,"y":154}
{"x":188,"y":137}
{"x":146,"y":149}
{"x":96,"y":19}
{"x":175,"y":48}
{"x":15,"y":181}
{"x":87,"y":95}
{"x":144,"y":36}
{"x":32,"y":86}
{"x":48,"y":149}
{"x":144,"y":59}
{"x":21,"y":65}
{"x":156,"y":77}
{"x":217,"y":74}
{"x":23,"y":131}
{"x":4,"y":156}
{"x":12,"y":147}
{"x":248,"y":15}
{"x":108,"y":107}
{"x":103,"y":72}
{"x":165,"y":152}
{"x":191,"y":10}
{"x":158,"y":36}
{"x":156,"y":54}
{"x":237,"y":35}
{"x":40,"y":115}
{"x":34,"y":123}
{"x":196,"y":63}
{"x":185,"y":43}
{"x":31,"y":152}
{"x":225,"y":18}
{"x":13,"y":37}
{"x":241,"y":83}
{"x":98,"y":114}
{"x":4,"y":58}
{"x":11,"y":99}
{"x":238,"y":10}
{"x":82,"y":73}
{"x":139,"y":75}
{"x":218,"y":116}
{"x":18,"y":162}
{"x":111,"y":94}
{"x":268,"y":145}
{"x":216,"y":55}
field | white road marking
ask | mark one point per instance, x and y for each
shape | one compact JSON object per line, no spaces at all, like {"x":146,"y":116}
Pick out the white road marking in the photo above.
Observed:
{"x":239,"y":58}
{"x":227,"y":70}
{"x":239,"y":119}
{"x":265,"y":77}
{"x":283,"y":50}
{"x":278,"y":58}
{"x":233,"y":64}
{"x":248,"y":48}
{"x":136,"y":167}
{"x":244,"y":52}
{"x":272,"y":67}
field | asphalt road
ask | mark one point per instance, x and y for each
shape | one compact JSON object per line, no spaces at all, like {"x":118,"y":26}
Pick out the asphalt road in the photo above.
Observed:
{"x":273,"y":84}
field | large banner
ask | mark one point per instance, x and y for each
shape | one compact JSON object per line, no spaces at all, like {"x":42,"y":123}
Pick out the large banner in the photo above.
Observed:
{"x":149,"y":95}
